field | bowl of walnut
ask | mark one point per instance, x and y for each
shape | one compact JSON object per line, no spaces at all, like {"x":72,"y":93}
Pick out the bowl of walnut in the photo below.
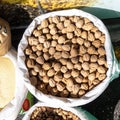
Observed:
{"x":43,"y":111}
{"x":66,"y":57}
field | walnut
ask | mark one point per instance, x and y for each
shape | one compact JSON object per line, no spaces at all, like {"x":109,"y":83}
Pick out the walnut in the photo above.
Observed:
{"x":33,"y":56}
{"x":40,"y":60}
{"x":75,"y":73}
{"x":94,"y":29}
{"x":51,"y":72}
{"x":91,"y":50}
{"x":66,"y":47}
{"x":86,"y":20}
{"x":82,"y":50}
{"x":81,"y":59}
{"x":48,"y":36}
{"x":53,"y":31}
{"x":101,"y":60}
{"x":68,"y":81}
{"x":46,"y":56}
{"x":52,"y":26}
{"x":76,"y":19}
{"x":55,"y":19}
{"x":88,"y":26}
{"x":55,"y":37}
{"x":101,"y":51}
{"x":64,"y":30}
{"x":71,"y":28}
{"x":81,"y":92}
{"x":60,"y":26}
{"x":63,"y":61}
{"x":28,"y":51}
{"x":80,"y":23}
{"x":54,"y":91}
{"x":34,"y":48}
{"x":75,"y":88}
{"x":39,"y":47}
{"x":33,"y":72}
{"x":58,"y":77}
{"x":91,"y":76}
{"x":84,"y":73}
{"x":46,"y":44}
{"x":102,"y":76}
{"x":42,"y":39}
{"x":59,"y":47}
{"x":60,"y":86}
{"x":96,"y":82}
{"x":91,"y":37}
{"x":79,"y":79}
{"x":87,"y":44}
{"x":57,"y":66}
{"x":62,"y":18}
{"x":45,"y":79}
{"x":84,"y":34}
{"x":37,"y":33}
{"x":53,"y":43}
{"x":75,"y":60}
{"x":80,"y":41}
{"x":61,"y":39}
{"x":51,"y":50}
{"x":69,"y":35}
{"x":94,"y":58}
{"x":85,"y":65}
{"x":84,"y":86}
{"x":42,"y":72}
{"x":44,"y":23}
{"x":38,"y":53}
{"x":64,"y":93}
{"x":86,"y":57}
{"x":93,"y":67}
{"x":69,"y":65}
{"x":52,"y":83}
{"x":101,"y":69}
{"x":57,"y":55}
{"x":74,"y":40}
{"x":77,"y":66}
{"x":102,"y":38}
{"x":96,"y":43}
{"x":37,"y":68}
{"x":65,"y":54}
{"x":45,"y":30}
{"x":67,"y":74}
{"x":67,"y":23}
{"x":98,"y":34}
{"x":46,"y":66}
{"x":77,"y":32}
{"x":64,"y":69}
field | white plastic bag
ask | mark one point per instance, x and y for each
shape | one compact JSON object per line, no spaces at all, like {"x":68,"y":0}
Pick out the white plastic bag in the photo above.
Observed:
{"x":96,"y":91}
{"x":83,"y":115}
{"x":11,"y":111}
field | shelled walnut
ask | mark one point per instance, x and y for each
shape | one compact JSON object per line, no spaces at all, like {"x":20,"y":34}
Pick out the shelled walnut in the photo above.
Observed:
{"x":49,"y":113}
{"x":66,"y":54}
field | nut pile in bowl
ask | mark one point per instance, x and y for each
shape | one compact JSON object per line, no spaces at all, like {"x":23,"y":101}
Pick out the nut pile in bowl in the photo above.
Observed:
{"x":65,"y":56}
{"x":48,"y":113}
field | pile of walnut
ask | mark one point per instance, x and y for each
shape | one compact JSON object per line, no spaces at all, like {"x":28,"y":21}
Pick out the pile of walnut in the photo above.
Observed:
{"x":65,"y":56}
{"x":48,"y":113}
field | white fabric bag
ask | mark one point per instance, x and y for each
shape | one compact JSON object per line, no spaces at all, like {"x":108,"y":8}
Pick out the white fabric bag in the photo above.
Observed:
{"x":11,"y":111}
{"x":89,"y":96}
